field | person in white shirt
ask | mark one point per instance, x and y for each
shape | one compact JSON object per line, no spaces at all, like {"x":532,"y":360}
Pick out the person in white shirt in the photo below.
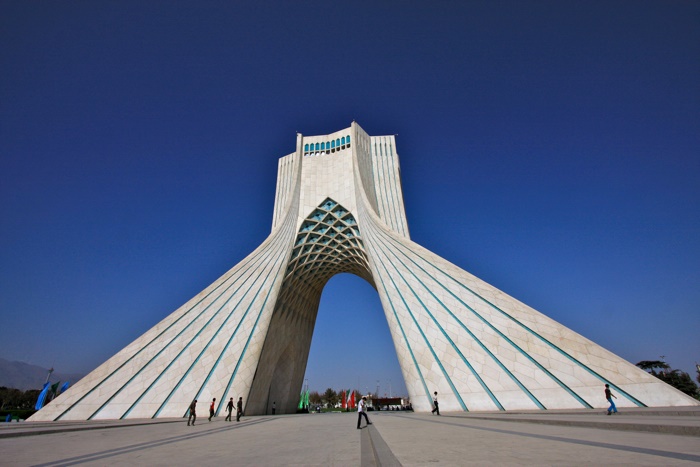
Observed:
{"x":436,"y":408}
{"x":362,"y":410}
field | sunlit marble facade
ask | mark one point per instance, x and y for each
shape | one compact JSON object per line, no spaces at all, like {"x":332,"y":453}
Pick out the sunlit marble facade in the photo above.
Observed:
{"x":339,"y":208}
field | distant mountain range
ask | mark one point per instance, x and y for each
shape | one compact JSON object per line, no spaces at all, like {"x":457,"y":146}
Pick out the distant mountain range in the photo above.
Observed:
{"x":24,"y":376}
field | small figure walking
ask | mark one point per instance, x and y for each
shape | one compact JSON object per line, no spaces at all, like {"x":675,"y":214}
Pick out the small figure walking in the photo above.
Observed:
{"x":239,"y":409}
{"x":436,"y":408}
{"x":274,"y":407}
{"x":609,"y":395}
{"x":193,"y":413}
{"x":229,"y":408}
{"x":211,"y":408}
{"x":362,"y":411}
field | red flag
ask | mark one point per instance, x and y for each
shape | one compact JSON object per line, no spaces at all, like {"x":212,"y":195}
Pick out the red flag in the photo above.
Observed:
{"x":352,"y":400}
{"x":343,"y":404}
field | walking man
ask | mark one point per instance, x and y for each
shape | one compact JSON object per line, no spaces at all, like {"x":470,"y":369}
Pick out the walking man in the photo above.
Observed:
{"x":229,"y":408}
{"x":211,"y":408}
{"x":362,"y":411}
{"x":193,"y":413}
{"x":609,"y":395}
{"x":436,"y":408}
{"x":239,"y":409}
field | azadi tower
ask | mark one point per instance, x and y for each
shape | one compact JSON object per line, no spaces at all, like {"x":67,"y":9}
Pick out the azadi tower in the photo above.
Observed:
{"x":339,"y":208}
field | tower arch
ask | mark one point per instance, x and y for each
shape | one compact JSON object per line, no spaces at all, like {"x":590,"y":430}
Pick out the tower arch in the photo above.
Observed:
{"x":327,"y":243}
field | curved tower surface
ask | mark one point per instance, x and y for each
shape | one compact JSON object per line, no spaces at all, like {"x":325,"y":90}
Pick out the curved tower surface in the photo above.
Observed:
{"x":339,"y":208}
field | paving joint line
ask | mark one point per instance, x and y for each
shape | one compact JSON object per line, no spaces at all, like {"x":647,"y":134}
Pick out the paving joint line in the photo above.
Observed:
{"x":382,"y":452}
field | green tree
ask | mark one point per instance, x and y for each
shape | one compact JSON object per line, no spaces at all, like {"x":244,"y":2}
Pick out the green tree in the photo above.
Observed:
{"x":29,"y":398}
{"x":651,"y":365}
{"x":331,"y":397}
{"x":11,"y":398}
{"x":314,"y":398}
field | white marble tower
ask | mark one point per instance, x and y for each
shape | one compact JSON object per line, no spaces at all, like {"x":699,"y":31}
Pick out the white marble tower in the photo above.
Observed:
{"x":339,"y":208}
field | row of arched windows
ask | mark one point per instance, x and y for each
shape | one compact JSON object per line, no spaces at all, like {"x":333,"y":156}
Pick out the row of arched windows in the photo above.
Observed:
{"x":328,"y":146}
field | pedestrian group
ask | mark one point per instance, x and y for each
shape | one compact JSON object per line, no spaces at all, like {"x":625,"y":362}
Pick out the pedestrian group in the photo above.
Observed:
{"x":212,"y":410}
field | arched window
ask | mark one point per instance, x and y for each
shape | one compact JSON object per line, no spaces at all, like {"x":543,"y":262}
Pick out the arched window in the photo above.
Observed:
{"x":306,"y":148}
{"x":333,"y":144}
{"x":317,"y":146}
{"x":348,"y":139}
{"x":342,"y":141}
{"x":323,"y":146}
{"x":337,"y":142}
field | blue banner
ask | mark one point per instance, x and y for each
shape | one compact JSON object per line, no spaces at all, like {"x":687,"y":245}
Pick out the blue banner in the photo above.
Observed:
{"x":42,"y":397}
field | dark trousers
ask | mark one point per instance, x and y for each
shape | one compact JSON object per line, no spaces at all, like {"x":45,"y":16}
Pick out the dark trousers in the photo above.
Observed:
{"x":436,"y":409}
{"x":228,"y":417}
{"x":238,"y":415}
{"x":359,"y":418}
{"x":193,"y":418}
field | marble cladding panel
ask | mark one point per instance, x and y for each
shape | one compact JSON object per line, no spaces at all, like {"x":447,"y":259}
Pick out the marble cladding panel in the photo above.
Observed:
{"x":286,"y":178}
{"x":114,"y":411}
{"x":478,"y":401}
{"x":516,"y":400}
{"x":657,"y":394}
{"x":324,"y":177}
{"x":556,"y":398}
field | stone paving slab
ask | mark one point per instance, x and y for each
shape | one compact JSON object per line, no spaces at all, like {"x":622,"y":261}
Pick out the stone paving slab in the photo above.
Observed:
{"x":458,"y":440}
{"x":394,"y":438}
{"x":12,"y":430}
{"x":687,"y":426}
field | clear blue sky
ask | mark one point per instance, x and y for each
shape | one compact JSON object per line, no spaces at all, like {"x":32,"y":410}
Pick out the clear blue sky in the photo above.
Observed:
{"x":550,"y":148}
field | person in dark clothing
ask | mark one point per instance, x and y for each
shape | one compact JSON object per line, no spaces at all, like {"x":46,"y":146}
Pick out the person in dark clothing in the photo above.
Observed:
{"x":211,"y":408}
{"x":239,"y":409}
{"x":436,"y":408}
{"x":274,"y":407}
{"x":229,"y":407}
{"x":193,"y":413}
{"x":609,"y":395}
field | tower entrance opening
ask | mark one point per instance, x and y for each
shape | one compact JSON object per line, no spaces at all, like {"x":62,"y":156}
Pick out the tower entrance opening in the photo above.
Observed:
{"x":328,"y":242}
{"x":352,"y":347}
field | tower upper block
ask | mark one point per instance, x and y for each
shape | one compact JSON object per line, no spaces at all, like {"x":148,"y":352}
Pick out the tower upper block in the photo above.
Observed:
{"x":339,"y":208}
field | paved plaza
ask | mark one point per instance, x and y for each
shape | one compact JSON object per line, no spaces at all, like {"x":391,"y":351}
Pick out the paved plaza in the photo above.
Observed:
{"x":636,"y":437}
